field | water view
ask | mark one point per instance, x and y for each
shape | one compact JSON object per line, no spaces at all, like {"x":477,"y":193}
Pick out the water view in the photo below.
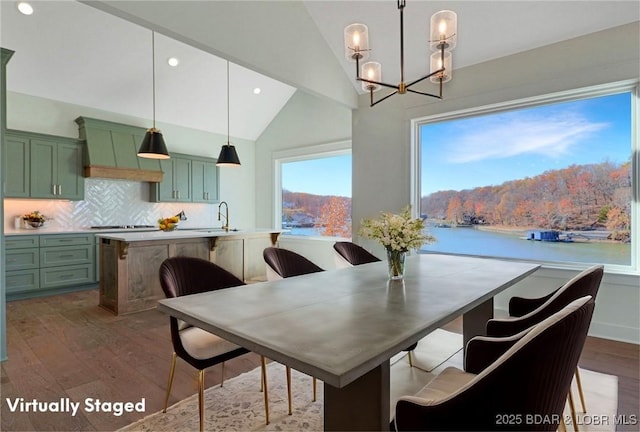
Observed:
{"x":476,"y":242}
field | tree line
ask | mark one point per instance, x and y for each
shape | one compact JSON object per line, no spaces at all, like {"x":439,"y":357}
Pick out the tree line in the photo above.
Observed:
{"x":578,"y":197}
{"x":330,"y":214}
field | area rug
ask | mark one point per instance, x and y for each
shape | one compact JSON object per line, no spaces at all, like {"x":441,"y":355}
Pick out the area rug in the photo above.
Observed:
{"x":239,"y":405}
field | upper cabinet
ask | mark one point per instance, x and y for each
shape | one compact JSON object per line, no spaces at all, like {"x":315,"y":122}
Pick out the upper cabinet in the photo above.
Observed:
{"x":187,"y":179}
{"x":16,"y":166}
{"x":176,"y":184}
{"x":204,"y":180}
{"x":42,"y":166}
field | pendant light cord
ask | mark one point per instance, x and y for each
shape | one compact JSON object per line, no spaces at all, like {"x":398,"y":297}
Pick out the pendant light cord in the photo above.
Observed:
{"x":153,"y":74}
{"x":228,"y":115}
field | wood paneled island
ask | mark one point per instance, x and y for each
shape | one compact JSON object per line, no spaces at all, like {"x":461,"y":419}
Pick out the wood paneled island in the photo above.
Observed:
{"x":129,"y":262}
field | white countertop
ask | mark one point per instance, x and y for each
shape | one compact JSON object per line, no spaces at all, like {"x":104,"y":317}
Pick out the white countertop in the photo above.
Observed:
{"x":129,"y":236}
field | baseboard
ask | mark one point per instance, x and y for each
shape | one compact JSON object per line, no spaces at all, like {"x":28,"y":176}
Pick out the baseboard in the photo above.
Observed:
{"x":48,"y":292}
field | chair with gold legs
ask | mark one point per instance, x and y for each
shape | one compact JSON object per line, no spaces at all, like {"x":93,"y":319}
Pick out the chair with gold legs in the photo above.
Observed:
{"x":283,"y":263}
{"x":181,"y":276}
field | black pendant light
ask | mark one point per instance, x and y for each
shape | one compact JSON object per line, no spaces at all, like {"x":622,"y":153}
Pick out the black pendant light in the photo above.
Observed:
{"x":153,"y":146}
{"x":228,"y":155}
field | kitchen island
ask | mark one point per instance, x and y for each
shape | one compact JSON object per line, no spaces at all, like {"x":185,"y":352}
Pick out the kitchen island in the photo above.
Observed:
{"x":130,"y":261}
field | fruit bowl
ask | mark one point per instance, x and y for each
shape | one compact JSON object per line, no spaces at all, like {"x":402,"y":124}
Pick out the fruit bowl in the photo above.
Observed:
{"x":168,"y":224}
{"x":35,"y":223}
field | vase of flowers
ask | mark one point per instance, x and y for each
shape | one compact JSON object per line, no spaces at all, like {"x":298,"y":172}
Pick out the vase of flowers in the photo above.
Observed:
{"x":398,"y":233}
{"x":35,"y":219}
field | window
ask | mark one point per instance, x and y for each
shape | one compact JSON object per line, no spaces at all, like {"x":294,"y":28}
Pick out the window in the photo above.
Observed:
{"x":546,"y":180}
{"x":314,"y":192}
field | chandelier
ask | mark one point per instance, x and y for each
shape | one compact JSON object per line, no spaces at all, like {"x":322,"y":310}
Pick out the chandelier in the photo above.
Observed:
{"x":442,"y":41}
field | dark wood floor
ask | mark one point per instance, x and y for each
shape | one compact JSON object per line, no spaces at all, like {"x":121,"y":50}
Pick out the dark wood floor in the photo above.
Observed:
{"x":68,"y":347}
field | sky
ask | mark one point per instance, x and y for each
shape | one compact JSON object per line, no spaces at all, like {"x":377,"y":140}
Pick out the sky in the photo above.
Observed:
{"x":323,"y":176}
{"x":491,"y":149}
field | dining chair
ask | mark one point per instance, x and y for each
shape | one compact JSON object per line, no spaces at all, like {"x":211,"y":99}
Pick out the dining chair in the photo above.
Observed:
{"x":349,"y":254}
{"x":284,"y":263}
{"x":510,"y":383}
{"x":525,"y":312}
{"x":180,"y":276}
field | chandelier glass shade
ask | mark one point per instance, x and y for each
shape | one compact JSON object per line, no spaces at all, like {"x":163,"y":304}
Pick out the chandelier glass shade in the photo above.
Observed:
{"x":442,"y":40}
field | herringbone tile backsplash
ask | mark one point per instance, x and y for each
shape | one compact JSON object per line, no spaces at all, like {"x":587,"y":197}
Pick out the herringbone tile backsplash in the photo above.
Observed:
{"x":110,"y":202}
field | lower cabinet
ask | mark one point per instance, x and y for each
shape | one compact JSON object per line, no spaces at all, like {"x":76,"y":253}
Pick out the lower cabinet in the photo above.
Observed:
{"x":38,"y":264}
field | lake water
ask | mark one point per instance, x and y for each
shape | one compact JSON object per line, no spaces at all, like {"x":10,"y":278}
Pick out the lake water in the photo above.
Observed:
{"x":477,"y":242}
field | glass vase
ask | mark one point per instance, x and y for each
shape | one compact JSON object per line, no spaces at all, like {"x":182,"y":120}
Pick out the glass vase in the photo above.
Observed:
{"x":395,"y":260}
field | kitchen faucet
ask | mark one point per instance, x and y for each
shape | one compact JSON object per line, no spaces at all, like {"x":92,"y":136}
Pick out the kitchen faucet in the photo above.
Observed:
{"x":226,"y":217}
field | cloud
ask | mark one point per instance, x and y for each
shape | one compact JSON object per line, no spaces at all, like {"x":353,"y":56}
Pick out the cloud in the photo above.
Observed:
{"x":513,"y":134}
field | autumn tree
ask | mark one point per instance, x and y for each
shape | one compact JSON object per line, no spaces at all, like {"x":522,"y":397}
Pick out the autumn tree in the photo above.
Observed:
{"x":334,"y":218}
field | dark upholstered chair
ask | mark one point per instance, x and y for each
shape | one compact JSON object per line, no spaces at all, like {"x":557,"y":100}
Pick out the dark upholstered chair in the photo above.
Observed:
{"x":514,"y":383}
{"x":283,"y":263}
{"x":181,"y":276}
{"x":525,"y":312}
{"x":349,"y":254}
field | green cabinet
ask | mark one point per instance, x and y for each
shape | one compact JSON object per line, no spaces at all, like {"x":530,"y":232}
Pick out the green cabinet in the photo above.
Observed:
{"x":42,"y":166}
{"x":187,"y":179}
{"x":16,"y":166}
{"x":205,"y":181}
{"x":176,"y":183}
{"x":22,"y":263}
{"x":56,"y":170}
{"x":38,"y":264}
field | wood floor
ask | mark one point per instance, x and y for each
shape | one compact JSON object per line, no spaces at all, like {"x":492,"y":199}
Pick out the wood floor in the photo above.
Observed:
{"x":67,"y":347}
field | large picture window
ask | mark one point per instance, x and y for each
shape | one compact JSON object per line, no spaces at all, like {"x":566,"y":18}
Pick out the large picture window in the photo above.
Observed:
{"x":315,"y":194}
{"x":547,"y":181}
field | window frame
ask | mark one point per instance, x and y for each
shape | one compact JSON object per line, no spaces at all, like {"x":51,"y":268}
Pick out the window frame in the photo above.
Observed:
{"x":318,"y":151}
{"x":631,"y":86}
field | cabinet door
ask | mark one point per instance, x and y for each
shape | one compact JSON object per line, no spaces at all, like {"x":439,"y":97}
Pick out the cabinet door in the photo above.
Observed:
{"x":198,"y":187}
{"x":182,"y":179}
{"x":211,"y":182}
{"x":164,"y":190}
{"x":69,"y":169}
{"x":205,"y":181}
{"x":43,"y":169}
{"x":16,"y":167}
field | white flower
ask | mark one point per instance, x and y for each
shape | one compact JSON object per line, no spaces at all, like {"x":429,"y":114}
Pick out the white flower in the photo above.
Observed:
{"x":396,"y":231}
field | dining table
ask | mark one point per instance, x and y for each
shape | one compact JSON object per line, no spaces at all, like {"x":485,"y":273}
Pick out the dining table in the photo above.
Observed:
{"x":342,"y":326}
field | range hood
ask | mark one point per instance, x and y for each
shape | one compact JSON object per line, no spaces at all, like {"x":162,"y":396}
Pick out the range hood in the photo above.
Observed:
{"x":112,"y":149}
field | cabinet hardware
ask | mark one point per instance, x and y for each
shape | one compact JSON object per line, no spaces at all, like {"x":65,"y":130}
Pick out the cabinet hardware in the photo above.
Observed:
{"x":59,"y":189}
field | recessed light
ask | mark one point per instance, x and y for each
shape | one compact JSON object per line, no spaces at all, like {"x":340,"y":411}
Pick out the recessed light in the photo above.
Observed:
{"x":25,"y":8}
{"x":257,"y":90}
{"x":173,"y":61}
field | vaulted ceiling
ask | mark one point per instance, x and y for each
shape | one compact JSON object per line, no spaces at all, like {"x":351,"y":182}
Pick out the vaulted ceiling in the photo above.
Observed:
{"x":98,"y":54}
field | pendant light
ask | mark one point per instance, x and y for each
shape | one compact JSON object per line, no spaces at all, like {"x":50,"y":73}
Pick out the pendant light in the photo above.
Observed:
{"x":228,"y":155}
{"x":153,"y":146}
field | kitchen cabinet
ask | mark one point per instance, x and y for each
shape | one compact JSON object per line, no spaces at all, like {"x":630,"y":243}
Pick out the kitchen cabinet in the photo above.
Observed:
{"x":49,"y":263}
{"x":56,"y":169}
{"x":204,"y":181}
{"x":176,"y":183}
{"x":22,"y":263}
{"x":16,"y":166}
{"x":42,"y":166}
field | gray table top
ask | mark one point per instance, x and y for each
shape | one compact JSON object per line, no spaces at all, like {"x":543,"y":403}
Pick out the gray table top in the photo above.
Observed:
{"x":339,"y":324}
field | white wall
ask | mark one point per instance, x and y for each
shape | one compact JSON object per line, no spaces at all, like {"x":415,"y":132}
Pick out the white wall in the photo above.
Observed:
{"x":305,"y":120}
{"x":381,"y":143}
{"x":237,"y":185}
